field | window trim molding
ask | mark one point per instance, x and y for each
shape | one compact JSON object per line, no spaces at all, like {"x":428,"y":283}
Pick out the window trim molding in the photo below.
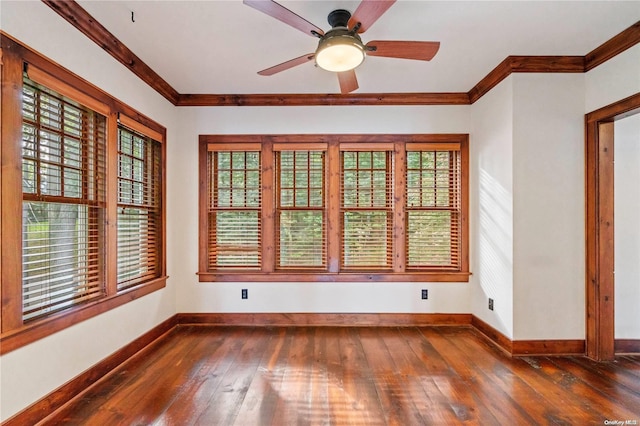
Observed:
{"x":14,"y":332}
{"x":333,"y":143}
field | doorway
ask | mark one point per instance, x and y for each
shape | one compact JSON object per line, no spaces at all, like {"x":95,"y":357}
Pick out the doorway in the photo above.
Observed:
{"x":600,"y":235}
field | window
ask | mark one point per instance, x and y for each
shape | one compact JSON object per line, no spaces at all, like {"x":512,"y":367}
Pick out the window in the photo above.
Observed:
{"x":366,"y":210}
{"x":234,"y":209}
{"x":82,"y":200}
{"x":334,"y":208}
{"x":139,"y":208}
{"x":63,"y":187}
{"x":433,"y":208}
{"x":301,"y":231}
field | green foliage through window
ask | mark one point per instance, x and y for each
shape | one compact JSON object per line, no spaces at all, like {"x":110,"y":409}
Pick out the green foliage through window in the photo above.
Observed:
{"x":63,"y":185}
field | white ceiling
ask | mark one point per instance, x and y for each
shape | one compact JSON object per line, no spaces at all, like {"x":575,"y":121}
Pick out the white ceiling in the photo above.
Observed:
{"x":218,"y":46}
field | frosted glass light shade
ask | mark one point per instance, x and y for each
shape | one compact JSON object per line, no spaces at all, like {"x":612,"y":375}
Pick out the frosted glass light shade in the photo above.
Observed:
{"x":338,"y":54}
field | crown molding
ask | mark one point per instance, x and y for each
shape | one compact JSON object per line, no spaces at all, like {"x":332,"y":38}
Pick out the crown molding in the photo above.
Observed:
{"x":513,"y":64}
{"x":616,"y":45}
{"x":73,"y":13}
{"x":313,"y":99}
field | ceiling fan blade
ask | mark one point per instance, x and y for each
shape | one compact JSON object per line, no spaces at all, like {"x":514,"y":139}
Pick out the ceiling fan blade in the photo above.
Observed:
{"x":368,"y":12}
{"x":420,"y":50}
{"x":348,"y":81}
{"x":288,"y":64}
{"x":283,"y":14}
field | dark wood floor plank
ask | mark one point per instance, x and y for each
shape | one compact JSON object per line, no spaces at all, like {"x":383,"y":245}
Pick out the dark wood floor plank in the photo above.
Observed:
{"x":603,"y":407}
{"x":630,"y":364}
{"x":294,"y":405}
{"x":499,"y":369}
{"x":419,"y":391}
{"x":599,"y":388}
{"x":358,"y":395}
{"x":204,"y":376}
{"x":388,"y":382}
{"x":224,"y":404}
{"x":557,"y":388}
{"x":613,"y":371}
{"x":263,"y":395}
{"x":320,"y":401}
{"x":429,"y":368}
{"x":352,"y":376}
{"x":468,"y":403}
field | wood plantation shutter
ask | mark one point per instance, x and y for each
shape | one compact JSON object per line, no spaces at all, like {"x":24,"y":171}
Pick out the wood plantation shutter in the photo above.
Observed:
{"x":301,"y":241}
{"x":63,"y":185}
{"x":366,"y":209}
{"x":139,"y":218}
{"x":433,"y":206}
{"x":234,"y":207}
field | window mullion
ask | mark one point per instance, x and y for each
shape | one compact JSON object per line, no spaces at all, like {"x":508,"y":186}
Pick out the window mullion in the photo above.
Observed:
{"x":398,"y":206}
{"x":111,"y":213}
{"x":333,"y":206}
{"x":268,"y":209}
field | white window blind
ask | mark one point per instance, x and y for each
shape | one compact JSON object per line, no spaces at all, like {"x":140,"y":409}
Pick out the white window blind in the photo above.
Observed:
{"x":139,"y":208}
{"x":63,"y":171}
{"x":366,"y":209}
{"x":301,"y":240}
{"x":234,"y":209}
{"x":433,"y":209}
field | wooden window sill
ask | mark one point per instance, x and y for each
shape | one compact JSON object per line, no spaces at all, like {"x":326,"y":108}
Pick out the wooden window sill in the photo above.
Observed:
{"x":252,"y":276}
{"x":37,"y":329}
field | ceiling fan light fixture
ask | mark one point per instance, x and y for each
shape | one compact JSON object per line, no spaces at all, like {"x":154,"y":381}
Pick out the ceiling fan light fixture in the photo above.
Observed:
{"x":340,"y":50}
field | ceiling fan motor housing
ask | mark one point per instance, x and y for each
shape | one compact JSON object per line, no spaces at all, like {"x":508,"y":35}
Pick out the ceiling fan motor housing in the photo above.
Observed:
{"x":340,"y":49}
{"x":340,"y":32}
{"x":339,"y":18}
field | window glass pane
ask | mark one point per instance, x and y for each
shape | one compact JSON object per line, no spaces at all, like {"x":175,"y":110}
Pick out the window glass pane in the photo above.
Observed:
{"x":236,"y":238}
{"x":366,"y":239}
{"x":63,"y":160}
{"x":61,"y":252}
{"x":301,"y":238}
{"x":429,"y":236}
{"x":235,"y":200}
{"x":139,"y":219}
{"x":301,"y":230}
{"x":432,"y":204}
{"x":366,"y":210}
{"x":365,"y":179}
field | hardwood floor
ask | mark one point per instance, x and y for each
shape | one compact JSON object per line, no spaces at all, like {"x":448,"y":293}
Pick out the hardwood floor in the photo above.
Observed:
{"x":201,"y":375}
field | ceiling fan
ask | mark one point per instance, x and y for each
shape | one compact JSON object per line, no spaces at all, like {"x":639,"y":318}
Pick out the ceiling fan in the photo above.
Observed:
{"x":341,"y":49}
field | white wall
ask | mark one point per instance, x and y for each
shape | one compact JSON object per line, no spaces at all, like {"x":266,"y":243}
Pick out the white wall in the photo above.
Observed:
{"x":33,"y":371}
{"x":491,"y":198}
{"x":293,"y":297}
{"x":614,"y":80}
{"x":548,"y":207}
{"x":627,"y":227}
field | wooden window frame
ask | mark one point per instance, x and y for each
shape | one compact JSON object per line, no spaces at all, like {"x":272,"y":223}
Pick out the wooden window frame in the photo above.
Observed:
{"x":334,"y":144}
{"x":279,"y":208}
{"x":15,"y":59}
{"x":152,"y":184}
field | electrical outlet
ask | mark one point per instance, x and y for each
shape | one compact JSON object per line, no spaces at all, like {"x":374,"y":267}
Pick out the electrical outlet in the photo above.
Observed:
{"x":425,"y":294}
{"x":245,"y":293}
{"x":490,"y":304}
